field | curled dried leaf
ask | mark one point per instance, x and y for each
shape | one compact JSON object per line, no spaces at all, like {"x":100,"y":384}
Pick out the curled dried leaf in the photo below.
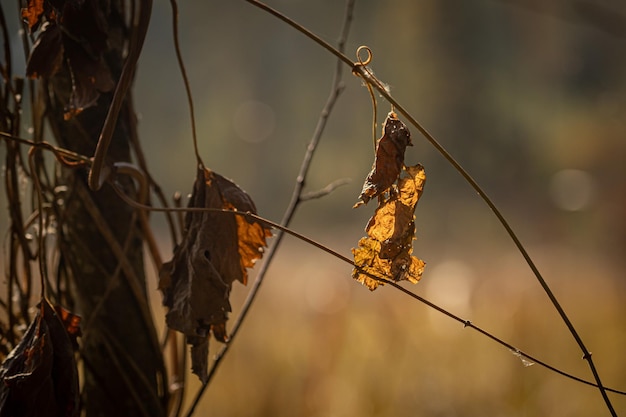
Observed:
{"x":216,"y":250}
{"x":39,"y":377}
{"x":389,"y":159}
{"x":46,"y":57}
{"x":73,"y":33}
{"x":32,"y":13}
{"x":386,"y":251}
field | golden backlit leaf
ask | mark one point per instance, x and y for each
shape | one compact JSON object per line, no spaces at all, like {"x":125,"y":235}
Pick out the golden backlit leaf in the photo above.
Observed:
{"x":216,"y":250}
{"x":389,"y":159}
{"x":386,"y":252}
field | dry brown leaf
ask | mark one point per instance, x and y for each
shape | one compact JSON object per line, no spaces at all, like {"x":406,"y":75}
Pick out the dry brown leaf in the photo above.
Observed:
{"x":216,"y":250}
{"x":389,"y":159}
{"x":71,"y":322}
{"x":46,"y":57}
{"x":74,"y":33}
{"x":32,"y":13}
{"x":39,"y":377}
{"x":386,"y":252}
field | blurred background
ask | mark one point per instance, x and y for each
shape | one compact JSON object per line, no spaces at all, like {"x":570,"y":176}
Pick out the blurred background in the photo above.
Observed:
{"x":529,"y":96}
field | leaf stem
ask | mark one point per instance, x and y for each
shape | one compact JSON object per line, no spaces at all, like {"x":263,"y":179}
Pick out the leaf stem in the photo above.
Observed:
{"x":183,"y":73}
{"x":383,"y":280}
{"x":361,"y":70}
{"x":336,"y":89}
{"x":518,"y":244}
{"x":98,"y":173}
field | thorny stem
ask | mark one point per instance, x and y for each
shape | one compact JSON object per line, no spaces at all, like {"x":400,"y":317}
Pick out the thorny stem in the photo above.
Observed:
{"x":296,"y":198}
{"x":361,"y":71}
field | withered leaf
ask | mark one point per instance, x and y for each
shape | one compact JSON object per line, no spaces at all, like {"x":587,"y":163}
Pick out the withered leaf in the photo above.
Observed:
{"x":74,"y":33}
{"x":32,"y":13}
{"x":71,"y":323}
{"x":389,"y":159}
{"x":46,"y":57}
{"x":39,"y":377}
{"x":216,"y":250}
{"x":386,"y":251}
{"x":90,"y":77}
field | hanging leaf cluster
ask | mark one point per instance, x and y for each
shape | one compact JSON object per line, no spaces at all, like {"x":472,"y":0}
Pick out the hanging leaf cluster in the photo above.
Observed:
{"x":386,"y":251}
{"x":71,"y":33}
{"x":39,"y":377}
{"x":216,"y":250}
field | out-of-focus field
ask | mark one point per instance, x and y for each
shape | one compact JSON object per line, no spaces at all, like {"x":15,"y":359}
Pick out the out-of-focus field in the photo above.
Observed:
{"x":529,"y":97}
{"x":319,"y":344}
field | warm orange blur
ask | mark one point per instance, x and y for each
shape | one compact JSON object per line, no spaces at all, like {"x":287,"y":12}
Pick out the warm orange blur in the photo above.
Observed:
{"x":530,"y":99}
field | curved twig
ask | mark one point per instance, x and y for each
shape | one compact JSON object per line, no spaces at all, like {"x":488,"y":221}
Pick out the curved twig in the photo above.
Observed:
{"x":183,"y":72}
{"x":98,"y":174}
{"x":382,"y":279}
{"x":371,"y":79}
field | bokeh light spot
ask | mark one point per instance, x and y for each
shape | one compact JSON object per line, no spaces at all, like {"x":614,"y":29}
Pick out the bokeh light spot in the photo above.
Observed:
{"x":571,"y":189}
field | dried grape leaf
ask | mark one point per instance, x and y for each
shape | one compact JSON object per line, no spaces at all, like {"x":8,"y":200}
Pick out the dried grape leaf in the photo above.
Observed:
{"x":74,"y":33}
{"x":90,"y":77}
{"x":216,"y":250}
{"x":39,"y":377}
{"x":389,"y":159}
{"x":386,"y":251}
{"x":71,"y":322}
{"x":32,"y":13}
{"x":46,"y":57}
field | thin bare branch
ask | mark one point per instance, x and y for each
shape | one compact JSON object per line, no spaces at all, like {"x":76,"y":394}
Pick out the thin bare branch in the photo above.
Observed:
{"x":363,"y":72}
{"x":382,"y":279}
{"x":98,"y":173}
{"x":183,"y":72}
{"x":335,"y":91}
{"x":326,"y":190}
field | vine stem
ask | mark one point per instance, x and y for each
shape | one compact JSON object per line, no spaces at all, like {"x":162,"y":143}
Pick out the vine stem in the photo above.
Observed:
{"x":518,"y":244}
{"x":296,"y":198}
{"x":381,"y":279}
{"x":361,"y":71}
{"x":99,"y":172}
{"x":41,"y":236}
{"x":183,"y":72}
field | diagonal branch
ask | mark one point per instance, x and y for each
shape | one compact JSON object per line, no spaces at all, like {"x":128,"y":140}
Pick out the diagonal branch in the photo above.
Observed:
{"x":382,"y":279}
{"x":336,"y":89}
{"x":363,"y":72}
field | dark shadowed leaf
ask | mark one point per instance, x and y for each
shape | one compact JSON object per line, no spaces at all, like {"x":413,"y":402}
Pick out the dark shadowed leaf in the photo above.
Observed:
{"x":389,"y":159}
{"x":216,"y":250}
{"x":46,"y":57}
{"x":39,"y":377}
{"x":71,"y":323}
{"x":74,"y":34}
{"x":90,"y":77}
